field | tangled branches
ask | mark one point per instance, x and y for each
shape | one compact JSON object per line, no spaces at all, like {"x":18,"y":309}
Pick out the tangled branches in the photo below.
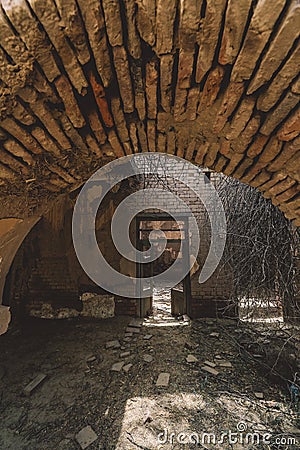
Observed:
{"x":261,"y":247}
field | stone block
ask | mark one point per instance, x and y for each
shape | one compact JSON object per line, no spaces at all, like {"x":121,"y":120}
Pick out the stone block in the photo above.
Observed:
{"x":34,"y":383}
{"x":113,"y":344}
{"x":210,"y":370}
{"x":191,"y":359}
{"x":127,"y":367}
{"x":163,"y":379}
{"x":259,"y":395}
{"x":148,"y":336}
{"x":132,"y":330}
{"x":86,"y":437}
{"x":117,"y":367}
{"x":209,"y":363}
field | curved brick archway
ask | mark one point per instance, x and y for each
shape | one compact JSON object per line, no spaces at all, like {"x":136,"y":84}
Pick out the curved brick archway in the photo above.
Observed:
{"x":12,"y":233}
{"x":212,"y":81}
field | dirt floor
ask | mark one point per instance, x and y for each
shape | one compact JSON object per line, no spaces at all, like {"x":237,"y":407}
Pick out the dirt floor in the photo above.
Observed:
{"x":127,"y":410}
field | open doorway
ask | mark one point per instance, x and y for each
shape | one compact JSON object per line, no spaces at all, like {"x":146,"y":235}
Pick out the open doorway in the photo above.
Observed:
{"x":171,"y":238}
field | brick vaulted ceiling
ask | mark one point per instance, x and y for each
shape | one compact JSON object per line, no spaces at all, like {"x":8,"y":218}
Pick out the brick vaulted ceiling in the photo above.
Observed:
{"x":85,"y":81}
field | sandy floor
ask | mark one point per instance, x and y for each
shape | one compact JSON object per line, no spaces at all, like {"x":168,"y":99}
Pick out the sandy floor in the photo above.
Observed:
{"x":127,"y":410}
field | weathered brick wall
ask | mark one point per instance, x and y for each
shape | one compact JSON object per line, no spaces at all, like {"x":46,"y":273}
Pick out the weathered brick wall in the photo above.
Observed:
{"x":40,"y":273}
{"x":125,"y":306}
{"x":212,"y":298}
{"x":49,"y":276}
{"x":51,"y":282}
{"x":56,"y":277}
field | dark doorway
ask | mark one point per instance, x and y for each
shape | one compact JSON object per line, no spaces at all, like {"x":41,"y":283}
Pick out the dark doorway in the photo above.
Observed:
{"x":176,"y":234}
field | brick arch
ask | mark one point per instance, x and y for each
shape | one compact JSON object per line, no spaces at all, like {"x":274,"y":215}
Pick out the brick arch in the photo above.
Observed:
{"x":13,"y":231}
{"x":212,"y":81}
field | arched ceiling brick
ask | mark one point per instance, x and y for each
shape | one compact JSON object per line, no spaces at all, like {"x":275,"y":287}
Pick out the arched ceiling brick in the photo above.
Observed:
{"x":86,"y":81}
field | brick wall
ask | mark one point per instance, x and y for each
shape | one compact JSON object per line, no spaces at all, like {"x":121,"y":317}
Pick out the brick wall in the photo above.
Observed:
{"x":50,"y":282}
{"x":211,"y":298}
{"x":54,"y":275}
{"x":46,"y":274}
{"x":125,"y":306}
